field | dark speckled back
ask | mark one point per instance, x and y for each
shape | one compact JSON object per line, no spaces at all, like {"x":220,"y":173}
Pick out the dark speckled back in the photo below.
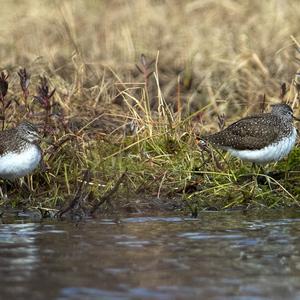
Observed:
{"x":256,"y":132}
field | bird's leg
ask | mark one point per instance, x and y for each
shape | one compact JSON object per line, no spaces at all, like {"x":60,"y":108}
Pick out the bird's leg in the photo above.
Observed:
{"x":266,"y":175}
{"x":255,"y":169}
{"x":261,"y":170}
{"x":1,"y":193}
{"x":262,"y":176}
{"x":25,"y":187}
{"x":255,"y":173}
{"x":3,"y":190}
{"x":268,"y":179}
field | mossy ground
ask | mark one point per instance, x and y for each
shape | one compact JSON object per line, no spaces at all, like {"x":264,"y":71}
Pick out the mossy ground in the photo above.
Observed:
{"x":118,"y":114}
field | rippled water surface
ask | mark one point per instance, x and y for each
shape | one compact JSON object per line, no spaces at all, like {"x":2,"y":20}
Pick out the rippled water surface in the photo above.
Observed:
{"x":217,"y":256}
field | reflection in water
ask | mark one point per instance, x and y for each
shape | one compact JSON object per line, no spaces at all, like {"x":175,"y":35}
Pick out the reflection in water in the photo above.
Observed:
{"x":18,"y":255}
{"x":18,"y":247}
{"x":218,"y":256}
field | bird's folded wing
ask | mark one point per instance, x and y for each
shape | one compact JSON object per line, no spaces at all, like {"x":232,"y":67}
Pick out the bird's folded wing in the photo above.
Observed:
{"x":4,"y":136}
{"x":248,"y":133}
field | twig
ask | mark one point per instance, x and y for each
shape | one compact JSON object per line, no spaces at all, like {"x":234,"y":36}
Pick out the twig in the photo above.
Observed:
{"x":108,"y":194}
{"x":78,"y":195}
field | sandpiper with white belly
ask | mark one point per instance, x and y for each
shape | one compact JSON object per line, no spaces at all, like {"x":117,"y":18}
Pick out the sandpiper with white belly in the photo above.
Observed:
{"x":20,"y":153}
{"x":261,"y":138}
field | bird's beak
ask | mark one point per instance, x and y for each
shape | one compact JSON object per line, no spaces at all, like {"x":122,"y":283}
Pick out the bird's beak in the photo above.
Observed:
{"x":295,"y":118}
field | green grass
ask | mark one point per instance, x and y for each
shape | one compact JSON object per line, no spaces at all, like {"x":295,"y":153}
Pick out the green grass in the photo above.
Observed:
{"x":158,"y":156}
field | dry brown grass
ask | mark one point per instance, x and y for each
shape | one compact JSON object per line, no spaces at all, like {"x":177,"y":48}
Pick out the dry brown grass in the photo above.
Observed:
{"x":233,"y":51}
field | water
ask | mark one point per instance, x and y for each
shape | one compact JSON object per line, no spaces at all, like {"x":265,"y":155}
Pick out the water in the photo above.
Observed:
{"x":217,"y":256}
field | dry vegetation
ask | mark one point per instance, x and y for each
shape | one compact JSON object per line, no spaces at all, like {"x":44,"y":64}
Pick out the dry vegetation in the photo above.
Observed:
{"x":117,"y":113}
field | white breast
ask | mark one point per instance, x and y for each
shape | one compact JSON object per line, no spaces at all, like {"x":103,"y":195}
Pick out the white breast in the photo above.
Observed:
{"x":273,"y":152}
{"x":13,"y":165}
